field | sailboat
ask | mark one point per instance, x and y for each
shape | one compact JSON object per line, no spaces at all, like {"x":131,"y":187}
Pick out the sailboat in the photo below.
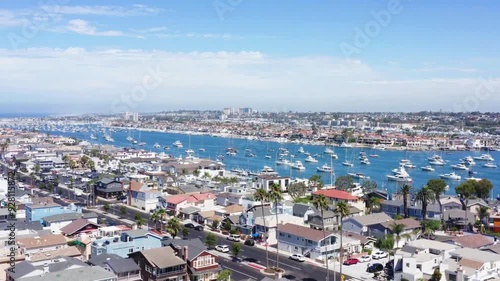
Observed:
{"x":346,"y":162}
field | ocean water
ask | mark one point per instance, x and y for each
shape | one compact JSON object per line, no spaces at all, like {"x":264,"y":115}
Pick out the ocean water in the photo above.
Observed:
{"x":378,"y":170}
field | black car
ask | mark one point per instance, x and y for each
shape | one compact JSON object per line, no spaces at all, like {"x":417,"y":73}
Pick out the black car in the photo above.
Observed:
{"x":189,"y":225}
{"x":121,"y":197}
{"x":376,"y":267}
{"x":198,"y":227}
{"x":249,"y":242}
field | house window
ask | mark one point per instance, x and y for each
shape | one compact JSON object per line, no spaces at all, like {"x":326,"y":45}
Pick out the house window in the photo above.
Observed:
{"x":131,"y":250}
{"x":289,"y":236}
{"x":204,"y":261}
{"x":148,"y":268}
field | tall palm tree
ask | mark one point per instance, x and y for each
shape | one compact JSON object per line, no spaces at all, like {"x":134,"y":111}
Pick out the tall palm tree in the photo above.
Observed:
{"x":321,"y":203}
{"x":174,"y":227}
{"x":438,"y":186}
{"x":425,"y":195}
{"x":261,"y":195}
{"x":397,"y":230}
{"x":276,"y":195}
{"x":405,"y":190}
{"x":162,"y":213}
{"x":140,"y":221}
{"x":484,"y":212}
{"x":342,"y":210}
{"x":155,"y":217}
{"x":372,"y":203}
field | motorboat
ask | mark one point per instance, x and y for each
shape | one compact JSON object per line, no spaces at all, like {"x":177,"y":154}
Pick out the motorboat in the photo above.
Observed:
{"x":334,"y":156}
{"x":311,"y":159}
{"x":472,"y":178}
{"x":166,"y":147}
{"x":301,"y":150}
{"x":93,"y":137}
{"x":108,"y":138}
{"x":365,"y":161}
{"x":459,"y":167}
{"x":282,"y":162}
{"x":231,"y":151}
{"x":141,"y":144}
{"x":201,"y":150}
{"x":450,"y":176}
{"x":435,"y":157}
{"x":345,"y":145}
{"x":484,"y":157}
{"x":268,"y":171}
{"x":129,"y":138}
{"x":268,"y":156}
{"x":428,"y":169}
{"x":177,"y":144}
{"x":328,"y":151}
{"x":297,"y":165}
{"x":490,"y":165}
{"x":374,"y":155}
{"x":436,"y":162}
{"x":404,"y":161}
{"x":347,"y":163}
{"x":358,"y":176}
{"x":409,"y":166}
{"x":156,"y":145}
{"x":189,"y":151}
{"x":399,"y":178}
{"x":325,"y":169}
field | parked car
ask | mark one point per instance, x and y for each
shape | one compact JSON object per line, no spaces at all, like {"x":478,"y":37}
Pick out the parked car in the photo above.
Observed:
{"x":376,"y":267}
{"x":57,"y":196}
{"x":121,"y":198}
{"x":234,"y":237}
{"x":297,"y":257}
{"x":379,"y":255}
{"x":222,"y":248}
{"x":430,"y":236}
{"x":198,"y":227}
{"x":351,"y":261}
{"x":189,"y":225}
{"x":250,"y":242}
{"x":365,"y":258}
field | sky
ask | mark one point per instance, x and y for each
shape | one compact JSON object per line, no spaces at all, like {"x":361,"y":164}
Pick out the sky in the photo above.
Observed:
{"x":68,"y":56}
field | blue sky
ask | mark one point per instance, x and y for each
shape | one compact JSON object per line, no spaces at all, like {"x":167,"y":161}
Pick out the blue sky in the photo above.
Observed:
{"x":95,"y":56}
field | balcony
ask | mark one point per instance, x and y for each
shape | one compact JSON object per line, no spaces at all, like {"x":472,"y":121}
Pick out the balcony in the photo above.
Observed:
{"x":171,"y":273}
{"x":130,"y":277}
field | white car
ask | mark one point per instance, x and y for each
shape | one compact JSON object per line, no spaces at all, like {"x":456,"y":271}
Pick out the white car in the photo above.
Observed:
{"x":297,"y":257}
{"x":379,"y":255}
{"x":57,"y":196}
{"x":222,"y":248}
{"x":365,"y":258}
{"x":234,"y":237}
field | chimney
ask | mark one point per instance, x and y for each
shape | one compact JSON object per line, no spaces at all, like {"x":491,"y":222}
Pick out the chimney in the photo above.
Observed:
{"x":185,"y":253}
{"x":460,"y":273}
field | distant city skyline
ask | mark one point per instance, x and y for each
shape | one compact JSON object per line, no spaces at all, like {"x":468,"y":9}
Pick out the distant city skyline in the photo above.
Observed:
{"x":334,"y":56}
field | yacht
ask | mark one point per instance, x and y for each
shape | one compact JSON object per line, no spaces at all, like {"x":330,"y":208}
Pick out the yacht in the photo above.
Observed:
{"x":374,"y":156}
{"x":428,"y":169}
{"x":268,"y":156}
{"x":282,"y":162}
{"x":156,"y":145}
{"x":231,"y":151}
{"x":459,"y":167}
{"x":189,"y":151}
{"x":311,"y":159}
{"x":141,"y":144}
{"x":484,"y":157}
{"x":345,"y":145}
{"x":365,"y":161}
{"x":328,"y":151}
{"x":450,"y":176}
{"x":399,"y":178}
{"x":93,"y":137}
{"x":409,"y":165}
{"x":404,"y":161}
{"x":436,"y":162}
{"x":301,"y":150}
{"x":435,"y":157}
{"x":166,"y":147}
{"x":347,"y":163}
{"x":268,"y":171}
{"x":490,"y":165}
{"x":359,"y":176}
{"x":325,"y":169}
{"x":108,"y":138}
{"x":472,"y":178}
{"x":201,"y":150}
{"x":177,"y":144}
{"x":298,"y":166}
{"x":334,"y":156}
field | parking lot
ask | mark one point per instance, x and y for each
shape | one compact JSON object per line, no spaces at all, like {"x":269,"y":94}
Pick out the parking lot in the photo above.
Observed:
{"x":358,"y":270}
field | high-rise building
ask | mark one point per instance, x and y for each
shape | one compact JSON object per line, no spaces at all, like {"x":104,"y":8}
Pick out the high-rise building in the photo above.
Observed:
{"x":127,"y":116}
{"x":135,"y":117}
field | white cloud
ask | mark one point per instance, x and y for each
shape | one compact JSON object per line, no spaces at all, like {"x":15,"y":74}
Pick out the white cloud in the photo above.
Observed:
{"x":119,"y":11}
{"x":92,"y":80}
{"x":83,"y":27}
{"x":151,"y":29}
{"x":446,"y":69}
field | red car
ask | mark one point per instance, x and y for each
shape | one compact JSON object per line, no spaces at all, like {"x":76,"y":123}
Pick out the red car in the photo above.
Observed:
{"x":351,"y":261}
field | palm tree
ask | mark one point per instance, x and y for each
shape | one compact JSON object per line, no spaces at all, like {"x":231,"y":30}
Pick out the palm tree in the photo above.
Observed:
{"x":438,"y":186}
{"x":140,"y":221}
{"x":155,"y":217}
{"x":276,"y":195}
{"x":397,"y":229}
{"x":405,"y":190}
{"x":372,"y":203}
{"x":321,"y":203}
{"x":261,"y":195}
{"x":161,"y":213}
{"x":174,"y":227}
{"x":342,"y":210}
{"x":425,"y":195}
{"x":484,"y":212}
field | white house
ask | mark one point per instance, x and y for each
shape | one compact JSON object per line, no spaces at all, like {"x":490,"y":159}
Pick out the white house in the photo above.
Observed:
{"x":265,"y":181}
{"x":474,"y":264}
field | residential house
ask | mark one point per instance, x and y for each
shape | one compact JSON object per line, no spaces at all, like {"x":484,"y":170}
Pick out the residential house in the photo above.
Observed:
{"x":125,"y":269}
{"x":142,"y":196}
{"x":474,"y":241}
{"x":362,"y":224}
{"x":128,"y":242}
{"x":335,"y":196}
{"x":231,"y":210}
{"x":246,"y":220}
{"x":306,"y":241}
{"x":176,"y":203}
{"x":270,"y":226}
{"x":458,"y":218}
{"x":108,"y":188}
{"x":265,"y":182}
{"x":411,"y":230}
{"x":202,"y":264}
{"x":472,"y":264}
{"x":227,"y":199}
{"x":161,"y":264}
{"x":79,"y":226}
{"x":328,"y":219}
{"x":37,"y":212}
{"x":303,"y":210}
{"x":33,"y":246}
{"x":56,"y":222}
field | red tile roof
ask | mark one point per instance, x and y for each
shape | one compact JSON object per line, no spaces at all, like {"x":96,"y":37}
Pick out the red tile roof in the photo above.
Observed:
{"x":337,"y":194}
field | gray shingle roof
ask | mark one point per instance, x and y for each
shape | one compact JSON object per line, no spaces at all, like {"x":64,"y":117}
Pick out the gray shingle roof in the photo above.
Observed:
{"x":300,"y":209}
{"x":372,"y":219}
{"x":68,"y":217}
{"x":22,"y":269}
{"x":195,"y":246}
{"x":136,"y":233}
{"x":122,"y":265}
{"x":94,"y":273}
{"x":101,"y":259}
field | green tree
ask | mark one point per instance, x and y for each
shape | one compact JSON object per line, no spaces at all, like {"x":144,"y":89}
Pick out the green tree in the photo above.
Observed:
{"x":276,"y":195}
{"x":185,"y":231}
{"x":373,"y":203}
{"x":397,"y":230}
{"x":342,"y":210}
{"x":431,"y":226}
{"x":321,"y":203}
{"x":466,"y":189}
{"x":36,"y":169}
{"x":140,"y":221}
{"x":106,"y":207}
{"x":369,"y":185}
{"x":344,"y":182}
{"x":316,"y":181}
{"x":162,"y":215}
{"x":405,"y":190}
{"x":210,"y":240}
{"x":484,"y":213}
{"x":425,"y":195}
{"x":215,"y":224}
{"x":174,"y":227}
{"x":438,"y":186}
{"x":483,"y":188}
{"x":385,"y":244}
{"x":235,"y":249}
{"x":297,"y":190}
{"x":224,"y":275}
{"x":436,"y":275}
{"x":262,"y":196}
{"x":123,"y":211}
{"x":155,"y":217}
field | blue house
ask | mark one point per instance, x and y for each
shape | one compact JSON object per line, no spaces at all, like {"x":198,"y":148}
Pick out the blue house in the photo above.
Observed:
{"x":129,"y":242}
{"x":39,"y":211}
